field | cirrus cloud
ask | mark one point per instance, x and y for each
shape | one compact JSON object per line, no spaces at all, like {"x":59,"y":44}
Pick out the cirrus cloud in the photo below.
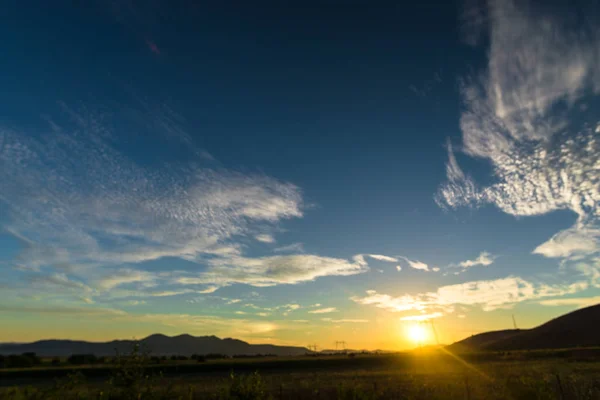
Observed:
{"x":323,"y":310}
{"x":484,"y":259}
{"x":487,"y":294}
{"x":522,"y":116}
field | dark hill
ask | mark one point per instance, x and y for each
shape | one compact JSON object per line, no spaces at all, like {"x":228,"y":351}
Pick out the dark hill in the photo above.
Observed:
{"x":482,"y":340}
{"x":575,"y":329}
{"x":156,"y":344}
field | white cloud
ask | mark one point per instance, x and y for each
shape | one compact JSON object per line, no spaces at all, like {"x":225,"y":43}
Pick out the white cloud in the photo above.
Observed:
{"x":418,"y":265}
{"x":209,"y":289}
{"x":489,"y":295}
{"x":272,"y":270}
{"x":265,"y":238}
{"x":591,"y":270}
{"x":483,"y":259}
{"x":394,"y":304}
{"x":415,"y":264}
{"x":125,"y":276}
{"x":383,"y":258}
{"x":571,"y":243}
{"x":579,"y":302}
{"x":112,"y":211}
{"x":323,"y":310}
{"x":290,"y":248}
{"x":522,"y":115}
{"x":398,"y":268}
{"x":422,"y":317}
{"x":61,"y":280}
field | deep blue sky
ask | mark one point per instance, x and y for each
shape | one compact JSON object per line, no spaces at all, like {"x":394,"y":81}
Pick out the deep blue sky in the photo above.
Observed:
{"x":133,"y":134}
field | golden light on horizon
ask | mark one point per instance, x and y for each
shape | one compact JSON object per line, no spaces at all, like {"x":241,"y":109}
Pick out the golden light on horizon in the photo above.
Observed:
{"x":417,"y":333}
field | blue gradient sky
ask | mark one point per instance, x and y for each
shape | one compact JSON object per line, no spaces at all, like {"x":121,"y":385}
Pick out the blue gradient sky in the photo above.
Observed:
{"x":296,"y":174}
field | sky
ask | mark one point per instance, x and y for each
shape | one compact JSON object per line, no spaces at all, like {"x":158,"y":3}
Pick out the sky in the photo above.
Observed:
{"x":298,"y":173}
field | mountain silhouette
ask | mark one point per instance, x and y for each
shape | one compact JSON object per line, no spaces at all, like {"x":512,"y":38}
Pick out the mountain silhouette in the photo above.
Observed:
{"x":157,"y":344}
{"x":579,"y":328}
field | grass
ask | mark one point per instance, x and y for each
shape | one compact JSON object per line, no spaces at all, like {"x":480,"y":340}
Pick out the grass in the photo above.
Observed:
{"x":428,"y":375}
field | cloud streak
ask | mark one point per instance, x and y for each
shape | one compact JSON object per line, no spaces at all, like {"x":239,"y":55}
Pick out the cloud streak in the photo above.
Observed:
{"x":577,"y":301}
{"x":415,"y":264}
{"x":323,"y":310}
{"x":271,"y":270}
{"x":484,"y":259}
{"x":487,"y":294}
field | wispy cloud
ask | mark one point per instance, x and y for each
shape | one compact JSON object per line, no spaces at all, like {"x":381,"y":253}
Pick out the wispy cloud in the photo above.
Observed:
{"x":571,"y":243}
{"x":383,"y":258}
{"x":125,"y":276}
{"x":323,"y":310}
{"x":97,"y":221}
{"x":578,"y":302}
{"x":484,"y":259}
{"x":487,"y":294}
{"x":272,"y":270}
{"x":112,"y":210}
{"x":523,"y":116}
{"x":290,"y":248}
{"x":60,"y":280}
{"x":265,"y":238}
{"x":136,"y":302}
{"x":415,"y":264}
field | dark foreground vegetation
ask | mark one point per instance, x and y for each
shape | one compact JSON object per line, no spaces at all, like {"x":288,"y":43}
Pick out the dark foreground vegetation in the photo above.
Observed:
{"x":434,"y":374}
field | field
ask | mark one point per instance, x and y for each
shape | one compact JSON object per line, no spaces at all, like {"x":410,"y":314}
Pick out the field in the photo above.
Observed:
{"x":568,"y":374}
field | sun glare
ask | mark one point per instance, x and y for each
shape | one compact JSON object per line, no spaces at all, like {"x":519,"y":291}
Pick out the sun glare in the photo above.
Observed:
{"x":417,"y":333}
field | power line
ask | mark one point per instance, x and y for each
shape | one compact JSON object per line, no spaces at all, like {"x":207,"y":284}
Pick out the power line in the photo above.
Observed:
{"x":340,"y":343}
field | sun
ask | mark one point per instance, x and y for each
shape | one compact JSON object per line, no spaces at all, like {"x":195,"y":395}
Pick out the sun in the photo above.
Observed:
{"x":417,"y":333}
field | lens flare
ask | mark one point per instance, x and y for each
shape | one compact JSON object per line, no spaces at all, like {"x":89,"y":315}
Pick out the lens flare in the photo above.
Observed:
{"x":417,"y":333}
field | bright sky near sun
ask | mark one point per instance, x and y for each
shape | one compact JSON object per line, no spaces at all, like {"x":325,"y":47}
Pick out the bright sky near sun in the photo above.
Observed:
{"x":297,"y":174}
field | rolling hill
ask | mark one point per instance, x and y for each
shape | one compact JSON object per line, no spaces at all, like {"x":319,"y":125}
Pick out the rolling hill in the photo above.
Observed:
{"x":575,"y":329}
{"x":156,"y":344}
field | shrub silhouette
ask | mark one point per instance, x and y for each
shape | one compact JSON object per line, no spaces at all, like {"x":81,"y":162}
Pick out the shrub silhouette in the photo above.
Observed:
{"x":247,"y":387}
